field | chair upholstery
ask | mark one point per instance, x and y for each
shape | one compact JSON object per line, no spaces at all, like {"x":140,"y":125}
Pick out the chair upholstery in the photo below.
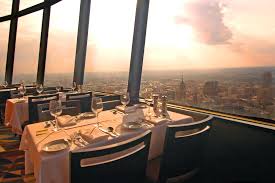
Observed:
{"x":127,"y":168}
{"x":84,"y":98}
{"x":68,"y":108}
{"x":33,"y":101}
{"x":183,"y":151}
{"x":4,"y":95}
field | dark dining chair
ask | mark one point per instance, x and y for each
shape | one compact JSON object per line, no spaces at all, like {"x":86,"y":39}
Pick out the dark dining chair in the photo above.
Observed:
{"x":84,"y":98}
{"x":68,"y":108}
{"x":34,"y":101}
{"x":183,"y":152}
{"x":4,"y":96}
{"x":127,"y":167}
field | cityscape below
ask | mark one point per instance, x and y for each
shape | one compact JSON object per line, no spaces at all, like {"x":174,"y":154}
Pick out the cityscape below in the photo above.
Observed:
{"x":240,"y":91}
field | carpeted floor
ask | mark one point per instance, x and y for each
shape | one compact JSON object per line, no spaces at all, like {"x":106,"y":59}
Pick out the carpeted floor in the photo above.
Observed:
{"x":12,"y":168}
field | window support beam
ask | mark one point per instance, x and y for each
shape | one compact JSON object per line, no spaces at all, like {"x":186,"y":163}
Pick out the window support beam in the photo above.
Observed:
{"x":82,"y":37}
{"x":43,"y":45}
{"x":12,"y":42}
{"x":138,"y":50}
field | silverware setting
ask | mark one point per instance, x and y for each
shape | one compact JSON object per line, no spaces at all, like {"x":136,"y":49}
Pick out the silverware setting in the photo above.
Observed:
{"x":78,"y":140}
{"x":109,"y":131}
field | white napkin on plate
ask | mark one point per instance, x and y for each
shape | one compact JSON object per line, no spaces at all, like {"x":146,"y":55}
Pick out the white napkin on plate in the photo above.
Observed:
{"x":87,"y":135}
{"x":66,"y":120}
{"x":128,"y":109}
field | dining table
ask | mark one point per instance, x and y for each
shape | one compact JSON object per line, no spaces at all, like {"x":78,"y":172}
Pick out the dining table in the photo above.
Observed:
{"x":17,"y":112}
{"x":54,"y":167}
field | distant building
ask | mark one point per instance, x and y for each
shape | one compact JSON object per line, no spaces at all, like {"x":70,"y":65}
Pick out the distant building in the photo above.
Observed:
{"x":181,"y":91}
{"x":211,"y":89}
{"x":267,"y":80}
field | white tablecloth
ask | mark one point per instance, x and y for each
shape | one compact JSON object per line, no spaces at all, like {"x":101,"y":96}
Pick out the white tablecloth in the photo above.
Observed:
{"x":54,"y":168}
{"x":17,"y":112}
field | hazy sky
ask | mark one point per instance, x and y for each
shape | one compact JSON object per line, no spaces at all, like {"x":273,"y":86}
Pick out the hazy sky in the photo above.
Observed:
{"x":181,"y":34}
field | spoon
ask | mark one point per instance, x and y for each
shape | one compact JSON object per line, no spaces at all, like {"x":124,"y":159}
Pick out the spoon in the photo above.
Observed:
{"x":111,"y":130}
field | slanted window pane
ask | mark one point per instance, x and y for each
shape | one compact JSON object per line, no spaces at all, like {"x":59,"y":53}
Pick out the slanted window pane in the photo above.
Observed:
{"x":28,"y":3}
{"x":62,"y":43}
{"x":109,"y":46}
{"x":4,"y":38}
{"x":5,"y":7}
{"x":27,"y":48}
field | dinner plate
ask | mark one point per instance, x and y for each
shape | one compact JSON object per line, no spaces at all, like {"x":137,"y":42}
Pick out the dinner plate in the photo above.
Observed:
{"x":132,"y":125}
{"x":56,"y":145}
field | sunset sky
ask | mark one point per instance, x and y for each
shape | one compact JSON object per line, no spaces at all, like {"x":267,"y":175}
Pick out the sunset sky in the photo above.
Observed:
{"x":181,"y":34}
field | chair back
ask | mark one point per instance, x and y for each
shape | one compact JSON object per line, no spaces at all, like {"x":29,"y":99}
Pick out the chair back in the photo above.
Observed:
{"x":127,"y":168}
{"x":69,"y":107}
{"x":33,"y":102}
{"x":184,"y":148}
{"x":84,"y":98}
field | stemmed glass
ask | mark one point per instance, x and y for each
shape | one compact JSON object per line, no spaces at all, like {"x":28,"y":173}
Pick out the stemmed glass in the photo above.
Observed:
{"x":149,"y":101}
{"x":55,"y":110}
{"x":125,"y":99}
{"x":58,"y":87}
{"x":39,"y":88}
{"x":22,"y":90}
{"x":5,"y":84}
{"x":97,"y":107}
{"x":74,"y":86}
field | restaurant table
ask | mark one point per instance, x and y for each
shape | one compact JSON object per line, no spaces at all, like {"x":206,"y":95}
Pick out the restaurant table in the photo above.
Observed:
{"x":17,"y":112}
{"x":54,"y":167}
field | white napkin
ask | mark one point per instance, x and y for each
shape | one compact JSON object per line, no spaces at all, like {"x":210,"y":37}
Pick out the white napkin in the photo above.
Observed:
{"x":66,"y":120}
{"x":128,"y":109}
{"x":156,"y":120}
{"x":87,"y":135}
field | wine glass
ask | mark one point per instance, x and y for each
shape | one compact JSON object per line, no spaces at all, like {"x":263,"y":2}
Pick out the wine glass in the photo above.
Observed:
{"x":74,"y":86}
{"x":125,"y":99}
{"x":97,"y":107}
{"x":55,"y":108}
{"x":5,"y":84}
{"x":149,"y":101}
{"x":58,"y":87}
{"x":22,"y":90}
{"x":39,"y":88}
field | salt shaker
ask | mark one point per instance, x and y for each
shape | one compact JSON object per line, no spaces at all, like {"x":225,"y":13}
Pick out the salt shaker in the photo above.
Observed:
{"x":164,"y":105}
{"x":155,"y":102}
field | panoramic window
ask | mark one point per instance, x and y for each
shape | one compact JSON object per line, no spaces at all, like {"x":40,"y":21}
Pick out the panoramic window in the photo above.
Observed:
{"x":109,"y":45}
{"x":4,"y":38}
{"x":27,"y":48}
{"x":62,"y":43}
{"x":212,"y":55}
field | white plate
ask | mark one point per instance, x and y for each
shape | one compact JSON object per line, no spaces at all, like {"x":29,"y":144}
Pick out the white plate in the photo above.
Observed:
{"x":132,"y":125}
{"x":56,"y":145}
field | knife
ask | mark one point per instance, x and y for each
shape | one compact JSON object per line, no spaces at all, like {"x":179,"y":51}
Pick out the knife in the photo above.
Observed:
{"x":107,"y":132}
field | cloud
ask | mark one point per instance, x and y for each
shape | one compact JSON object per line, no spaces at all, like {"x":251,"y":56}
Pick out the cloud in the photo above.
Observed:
{"x":206,"y":18}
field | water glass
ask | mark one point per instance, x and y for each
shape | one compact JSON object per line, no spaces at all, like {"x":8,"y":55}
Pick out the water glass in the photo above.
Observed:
{"x":55,"y":108}
{"x":125,"y":99}
{"x":58,"y":87}
{"x":74,"y":86}
{"x":39,"y":88}
{"x":5,"y":84}
{"x":97,"y":107}
{"x":22,"y":90}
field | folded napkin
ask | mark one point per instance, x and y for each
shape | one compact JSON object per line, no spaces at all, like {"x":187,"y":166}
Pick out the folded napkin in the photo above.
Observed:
{"x":66,"y":120}
{"x":128,"y":109}
{"x":89,"y":135}
{"x":156,"y":121}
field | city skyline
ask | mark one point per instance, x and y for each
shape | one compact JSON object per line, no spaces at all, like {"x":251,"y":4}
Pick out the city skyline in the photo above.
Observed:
{"x":223,"y":32}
